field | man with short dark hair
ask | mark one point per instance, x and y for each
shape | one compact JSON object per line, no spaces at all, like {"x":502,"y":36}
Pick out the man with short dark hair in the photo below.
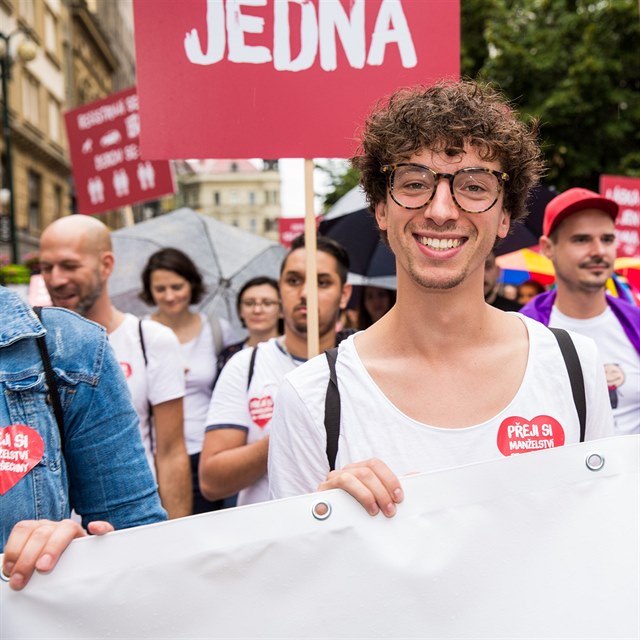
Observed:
{"x":443,"y":379}
{"x":579,"y":238}
{"x":234,"y":454}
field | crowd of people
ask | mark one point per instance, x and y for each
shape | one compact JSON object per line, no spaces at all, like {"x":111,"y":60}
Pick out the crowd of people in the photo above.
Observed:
{"x":175,"y":414}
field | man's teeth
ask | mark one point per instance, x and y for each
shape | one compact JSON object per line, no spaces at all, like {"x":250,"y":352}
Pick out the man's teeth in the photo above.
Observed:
{"x":440,"y":243}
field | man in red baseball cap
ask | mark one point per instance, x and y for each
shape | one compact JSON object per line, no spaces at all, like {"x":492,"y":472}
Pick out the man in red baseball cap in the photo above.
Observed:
{"x":579,"y":238}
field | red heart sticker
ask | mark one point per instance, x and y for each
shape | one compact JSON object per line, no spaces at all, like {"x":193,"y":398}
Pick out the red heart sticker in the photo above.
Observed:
{"x":21,"y":449}
{"x":519,"y":435}
{"x":261,"y":410}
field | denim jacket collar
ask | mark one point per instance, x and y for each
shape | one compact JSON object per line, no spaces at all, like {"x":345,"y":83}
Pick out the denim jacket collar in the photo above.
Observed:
{"x":17,"y":319}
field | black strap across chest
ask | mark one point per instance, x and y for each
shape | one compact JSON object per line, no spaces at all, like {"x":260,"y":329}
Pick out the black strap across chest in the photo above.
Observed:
{"x":332,"y":397}
{"x":52,"y":388}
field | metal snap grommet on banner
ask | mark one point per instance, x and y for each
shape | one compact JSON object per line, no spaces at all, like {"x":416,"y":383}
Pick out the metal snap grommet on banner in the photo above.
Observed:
{"x":321,"y":510}
{"x":594,"y":461}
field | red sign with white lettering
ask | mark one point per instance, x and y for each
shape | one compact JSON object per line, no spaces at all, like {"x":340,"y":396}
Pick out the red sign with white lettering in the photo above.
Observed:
{"x":626,"y":192}
{"x":289,"y":229}
{"x":281,"y":78}
{"x":108,"y":170}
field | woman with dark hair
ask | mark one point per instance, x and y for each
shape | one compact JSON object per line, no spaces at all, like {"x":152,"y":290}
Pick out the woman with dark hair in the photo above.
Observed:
{"x":260,"y":311}
{"x":373,"y":304}
{"x":172,"y":282}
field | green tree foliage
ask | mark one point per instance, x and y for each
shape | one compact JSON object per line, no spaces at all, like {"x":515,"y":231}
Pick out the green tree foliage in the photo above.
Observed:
{"x":341,"y":180}
{"x":574,"y":64}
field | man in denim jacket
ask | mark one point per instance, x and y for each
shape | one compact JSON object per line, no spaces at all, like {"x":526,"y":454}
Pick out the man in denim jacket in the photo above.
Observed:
{"x":103,"y":473}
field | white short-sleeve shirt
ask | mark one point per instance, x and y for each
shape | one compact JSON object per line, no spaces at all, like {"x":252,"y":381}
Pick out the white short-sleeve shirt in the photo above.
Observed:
{"x":233,"y":406}
{"x":160,"y":380}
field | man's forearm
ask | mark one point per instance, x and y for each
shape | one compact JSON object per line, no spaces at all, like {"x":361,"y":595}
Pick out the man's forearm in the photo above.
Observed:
{"x":227,"y":472}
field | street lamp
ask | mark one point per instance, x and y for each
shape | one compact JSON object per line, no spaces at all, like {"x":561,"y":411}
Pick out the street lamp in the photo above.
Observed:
{"x":26,"y":51}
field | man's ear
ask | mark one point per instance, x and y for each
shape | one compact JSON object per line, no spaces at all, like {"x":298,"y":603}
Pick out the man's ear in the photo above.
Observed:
{"x":107,"y":263}
{"x":381,"y":215}
{"x":504,"y":224}
{"x":345,"y":296}
{"x":546,"y":247}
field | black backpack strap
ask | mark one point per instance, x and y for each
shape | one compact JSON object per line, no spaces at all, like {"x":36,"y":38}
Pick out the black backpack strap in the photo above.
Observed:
{"x":53,"y":395}
{"x":572,"y":361}
{"x":146,"y":362}
{"x":252,"y":365}
{"x":144,"y":350}
{"x":332,"y":409}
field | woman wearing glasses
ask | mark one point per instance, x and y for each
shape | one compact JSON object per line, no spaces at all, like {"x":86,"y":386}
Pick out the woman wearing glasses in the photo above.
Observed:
{"x":260,"y":312}
{"x":172,"y":282}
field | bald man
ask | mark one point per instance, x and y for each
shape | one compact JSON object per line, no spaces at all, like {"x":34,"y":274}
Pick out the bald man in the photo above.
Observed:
{"x":76,"y":260}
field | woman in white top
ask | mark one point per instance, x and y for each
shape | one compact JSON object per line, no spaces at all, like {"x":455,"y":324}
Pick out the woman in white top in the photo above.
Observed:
{"x":171,"y":281}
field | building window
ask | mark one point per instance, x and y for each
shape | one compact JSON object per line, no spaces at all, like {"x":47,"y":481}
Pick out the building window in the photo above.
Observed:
{"x":253,"y":225}
{"x":34,"y":193}
{"x":252,"y":197}
{"x":57,"y":201}
{"x":54,"y":119}
{"x":234,"y":167}
{"x":30,"y":99}
{"x":234,"y":197}
{"x":51,"y":33}
{"x":28,"y":11}
{"x":216,"y":198}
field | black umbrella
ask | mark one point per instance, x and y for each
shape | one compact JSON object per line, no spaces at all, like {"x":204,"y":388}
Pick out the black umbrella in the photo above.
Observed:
{"x":526,"y":233}
{"x":351,"y":223}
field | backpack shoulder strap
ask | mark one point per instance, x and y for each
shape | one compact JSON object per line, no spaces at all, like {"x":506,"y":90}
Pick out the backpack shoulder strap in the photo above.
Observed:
{"x":144,"y":350}
{"x":53,"y":395}
{"x":216,"y":333}
{"x":252,"y":365}
{"x":332,"y":409}
{"x":149,"y":405}
{"x":572,"y":362}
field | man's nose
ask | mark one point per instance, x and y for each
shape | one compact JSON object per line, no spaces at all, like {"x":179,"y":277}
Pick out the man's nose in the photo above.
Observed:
{"x":442,"y":208}
{"x":57,"y":277}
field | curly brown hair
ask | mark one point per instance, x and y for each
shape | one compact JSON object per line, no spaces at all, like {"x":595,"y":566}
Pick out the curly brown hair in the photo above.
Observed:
{"x":443,"y":118}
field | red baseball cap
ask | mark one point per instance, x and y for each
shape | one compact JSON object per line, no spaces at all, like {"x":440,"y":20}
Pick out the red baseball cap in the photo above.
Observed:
{"x":572,"y":201}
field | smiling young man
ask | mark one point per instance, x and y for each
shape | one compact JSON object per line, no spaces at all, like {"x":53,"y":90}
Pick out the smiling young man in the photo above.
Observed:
{"x":443,"y":379}
{"x":234,"y":454}
{"x":579,"y":238}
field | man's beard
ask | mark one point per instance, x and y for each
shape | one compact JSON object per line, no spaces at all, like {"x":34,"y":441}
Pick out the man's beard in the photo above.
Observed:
{"x":86,"y":302}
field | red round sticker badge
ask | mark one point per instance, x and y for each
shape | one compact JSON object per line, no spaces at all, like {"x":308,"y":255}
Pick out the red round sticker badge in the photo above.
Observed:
{"x":519,"y":435}
{"x":21,"y":449}
{"x":261,"y":410}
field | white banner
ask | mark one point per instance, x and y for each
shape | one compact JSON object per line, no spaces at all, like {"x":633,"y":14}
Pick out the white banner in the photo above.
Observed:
{"x":541,"y":545}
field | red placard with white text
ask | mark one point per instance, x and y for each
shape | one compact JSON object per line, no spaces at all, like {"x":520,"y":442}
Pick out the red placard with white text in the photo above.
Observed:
{"x":108,"y":169}
{"x":626,"y":192}
{"x":280,"y":78}
{"x":289,"y":229}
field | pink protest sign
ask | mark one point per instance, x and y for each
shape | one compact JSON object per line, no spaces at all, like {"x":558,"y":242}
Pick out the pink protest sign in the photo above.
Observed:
{"x":280,"y":78}
{"x":626,"y":192}
{"x":108,"y":170}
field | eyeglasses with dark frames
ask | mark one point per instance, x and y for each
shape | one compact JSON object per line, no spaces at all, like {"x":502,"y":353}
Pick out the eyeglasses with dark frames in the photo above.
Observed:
{"x":473,"y":189}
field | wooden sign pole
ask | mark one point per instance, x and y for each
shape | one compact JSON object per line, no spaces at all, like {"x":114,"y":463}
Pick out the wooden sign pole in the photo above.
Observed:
{"x":313,"y":340}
